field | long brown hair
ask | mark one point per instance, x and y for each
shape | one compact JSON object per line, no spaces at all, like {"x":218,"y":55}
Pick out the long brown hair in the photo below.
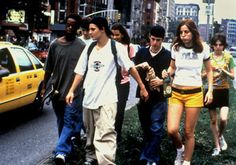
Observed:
{"x":197,"y":42}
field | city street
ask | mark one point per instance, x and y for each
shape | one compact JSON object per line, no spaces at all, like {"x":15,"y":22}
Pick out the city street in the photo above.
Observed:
{"x":25,"y":139}
{"x":29,"y":140}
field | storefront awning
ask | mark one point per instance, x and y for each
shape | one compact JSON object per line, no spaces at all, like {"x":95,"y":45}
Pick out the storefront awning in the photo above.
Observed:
{"x":21,"y":26}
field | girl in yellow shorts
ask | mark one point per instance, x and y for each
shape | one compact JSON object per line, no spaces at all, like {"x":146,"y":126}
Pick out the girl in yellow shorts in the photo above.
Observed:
{"x":188,"y":55}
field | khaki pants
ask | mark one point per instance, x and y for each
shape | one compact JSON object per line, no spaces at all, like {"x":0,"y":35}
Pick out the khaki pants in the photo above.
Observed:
{"x":101,"y":134}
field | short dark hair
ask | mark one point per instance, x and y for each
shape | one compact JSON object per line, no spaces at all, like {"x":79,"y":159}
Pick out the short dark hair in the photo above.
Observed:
{"x":101,"y":22}
{"x":157,"y":31}
{"x":85,"y":23}
{"x":77,"y":18}
{"x":219,"y":37}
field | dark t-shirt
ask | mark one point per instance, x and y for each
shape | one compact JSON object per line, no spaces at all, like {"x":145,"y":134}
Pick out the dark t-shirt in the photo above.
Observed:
{"x":158,"y":63}
{"x":61,"y":61}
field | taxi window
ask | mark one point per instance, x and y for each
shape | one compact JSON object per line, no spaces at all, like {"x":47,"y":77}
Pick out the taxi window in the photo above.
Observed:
{"x":6,"y":60}
{"x":22,"y":59}
{"x":35,"y":60}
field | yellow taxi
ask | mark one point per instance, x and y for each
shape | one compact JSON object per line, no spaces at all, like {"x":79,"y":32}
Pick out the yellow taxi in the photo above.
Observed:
{"x":21,"y":76}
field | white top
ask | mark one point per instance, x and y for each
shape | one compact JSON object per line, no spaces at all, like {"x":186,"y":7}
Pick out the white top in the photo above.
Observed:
{"x":86,"y":41}
{"x":189,"y":65}
{"x":99,"y":84}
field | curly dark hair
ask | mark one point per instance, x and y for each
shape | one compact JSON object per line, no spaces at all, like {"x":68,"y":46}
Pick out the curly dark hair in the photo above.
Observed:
{"x":197,"y":42}
{"x":77,"y":18}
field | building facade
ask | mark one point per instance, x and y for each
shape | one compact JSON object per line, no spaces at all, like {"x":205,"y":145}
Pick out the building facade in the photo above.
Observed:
{"x":228,"y":27}
{"x":183,"y":11}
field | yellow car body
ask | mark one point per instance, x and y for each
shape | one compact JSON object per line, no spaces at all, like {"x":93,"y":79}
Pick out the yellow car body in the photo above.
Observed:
{"x":21,"y":87}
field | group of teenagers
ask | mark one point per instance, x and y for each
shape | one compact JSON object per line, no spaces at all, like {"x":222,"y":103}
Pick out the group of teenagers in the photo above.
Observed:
{"x":83,"y":71}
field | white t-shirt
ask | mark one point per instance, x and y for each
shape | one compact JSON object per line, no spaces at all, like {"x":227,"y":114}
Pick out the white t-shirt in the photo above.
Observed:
{"x":189,"y":65}
{"x":99,"y":84}
{"x":86,"y":41}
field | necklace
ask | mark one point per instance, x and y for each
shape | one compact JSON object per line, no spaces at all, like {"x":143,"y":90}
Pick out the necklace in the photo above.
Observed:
{"x":218,"y":57}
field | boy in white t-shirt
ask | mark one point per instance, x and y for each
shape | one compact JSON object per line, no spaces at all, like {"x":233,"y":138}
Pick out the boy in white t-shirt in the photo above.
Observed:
{"x":100,"y":97}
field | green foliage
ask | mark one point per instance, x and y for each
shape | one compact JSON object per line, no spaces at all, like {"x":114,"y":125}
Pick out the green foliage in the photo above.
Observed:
{"x":129,"y":149}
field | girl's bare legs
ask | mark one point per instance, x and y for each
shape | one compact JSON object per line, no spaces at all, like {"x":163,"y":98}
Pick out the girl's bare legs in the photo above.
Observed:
{"x":173,"y":121}
{"x":191,"y":119}
{"x":214,"y":126}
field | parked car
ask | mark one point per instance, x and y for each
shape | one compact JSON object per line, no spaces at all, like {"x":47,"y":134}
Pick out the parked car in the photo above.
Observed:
{"x":21,"y":76}
{"x":232,"y":50}
{"x":38,"y":52}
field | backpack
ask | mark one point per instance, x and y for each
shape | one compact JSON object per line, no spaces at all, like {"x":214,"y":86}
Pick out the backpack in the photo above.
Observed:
{"x":118,"y":67}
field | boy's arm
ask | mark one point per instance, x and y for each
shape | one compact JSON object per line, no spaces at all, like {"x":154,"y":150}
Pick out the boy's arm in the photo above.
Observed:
{"x":70,"y":96}
{"x":143,"y":92}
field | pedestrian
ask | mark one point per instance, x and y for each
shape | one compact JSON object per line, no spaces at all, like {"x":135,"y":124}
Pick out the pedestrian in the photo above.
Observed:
{"x":223,"y":68}
{"x":188,"y":54}
{"x":152,"y":112}
{"x":120,"y":34}
{"x":85,"y":36}
{"x":100,"y":92}
{"x":85,"y":31}
{"x":63,"y":55}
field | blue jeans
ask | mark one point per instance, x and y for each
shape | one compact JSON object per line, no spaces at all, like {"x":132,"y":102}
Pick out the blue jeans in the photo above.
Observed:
{"x":69,"y":122}
{"x":152,"y":117}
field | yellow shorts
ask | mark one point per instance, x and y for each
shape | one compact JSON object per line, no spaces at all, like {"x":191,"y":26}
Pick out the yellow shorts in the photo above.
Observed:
{"x":190,"y":100}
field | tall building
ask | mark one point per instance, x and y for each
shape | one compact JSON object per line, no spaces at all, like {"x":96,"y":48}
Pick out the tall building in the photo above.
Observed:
{"x":167,"y":15}
{"x":228,"y":27}
{"x":135,"y":22}
{"x":183,"y":11}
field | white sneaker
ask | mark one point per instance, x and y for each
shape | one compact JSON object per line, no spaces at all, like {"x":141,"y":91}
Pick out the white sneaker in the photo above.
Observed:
{"x":223,"y":144}
{"x":60,"y":159}
{"x":216,"y":152}
{"x":179,"y":157}
{"x":151,"y":163}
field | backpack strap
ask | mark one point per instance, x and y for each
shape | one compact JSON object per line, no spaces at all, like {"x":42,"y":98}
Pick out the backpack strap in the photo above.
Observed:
{"x":90,"y":48}
{"x":114,"y":52}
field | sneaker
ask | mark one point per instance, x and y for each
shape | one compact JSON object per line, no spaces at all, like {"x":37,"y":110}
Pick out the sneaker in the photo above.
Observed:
{"x":75,"y":142}
{"x":90,"y":161}
{"x":60,"y":159}
{"x":223,"y":144}
{"x":151,"y":163}
{"x":179,"y":157}
{"x":216,"y":152}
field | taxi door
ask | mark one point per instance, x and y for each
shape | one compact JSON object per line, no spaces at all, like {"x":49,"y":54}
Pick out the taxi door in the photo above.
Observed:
{"x":10,"y":92}
{"x":28,"y":76}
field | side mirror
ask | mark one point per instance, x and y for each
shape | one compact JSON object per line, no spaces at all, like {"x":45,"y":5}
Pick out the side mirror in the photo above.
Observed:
{"x":4,"y":72}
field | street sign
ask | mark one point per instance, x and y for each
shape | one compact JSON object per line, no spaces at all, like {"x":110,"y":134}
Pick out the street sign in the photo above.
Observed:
{"x":209,"y":10}
{"x":208,"y":1}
